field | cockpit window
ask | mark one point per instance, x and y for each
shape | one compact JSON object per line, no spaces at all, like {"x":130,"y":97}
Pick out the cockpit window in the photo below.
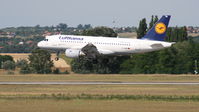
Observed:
{"x":45,"y":39}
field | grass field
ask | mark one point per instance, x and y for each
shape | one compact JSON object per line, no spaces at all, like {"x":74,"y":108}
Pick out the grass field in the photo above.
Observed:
{"x":151,"y":98}
{"x":101,"y":89}
{"x":101,"y":77}
{"x":96,"y":106}
{"x":179,"y":90}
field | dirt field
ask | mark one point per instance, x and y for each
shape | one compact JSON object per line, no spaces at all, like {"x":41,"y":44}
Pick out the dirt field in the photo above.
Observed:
{"x":128,"y":35}
{"x":193,"y":34}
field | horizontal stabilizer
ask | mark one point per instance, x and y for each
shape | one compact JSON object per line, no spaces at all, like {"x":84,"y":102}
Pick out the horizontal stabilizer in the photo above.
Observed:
{"x":157,"y":46}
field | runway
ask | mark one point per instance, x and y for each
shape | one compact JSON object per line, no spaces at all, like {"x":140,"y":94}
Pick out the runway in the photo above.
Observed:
{"x":99,"y":83}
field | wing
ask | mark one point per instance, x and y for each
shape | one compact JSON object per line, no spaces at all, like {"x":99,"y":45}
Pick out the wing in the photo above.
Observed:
{"x":90,"y":51}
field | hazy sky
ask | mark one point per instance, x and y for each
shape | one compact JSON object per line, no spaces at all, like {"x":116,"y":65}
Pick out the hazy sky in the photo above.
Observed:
{"x":14,"y":13}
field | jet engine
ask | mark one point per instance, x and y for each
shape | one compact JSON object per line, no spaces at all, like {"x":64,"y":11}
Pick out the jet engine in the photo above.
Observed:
{"x":73,"y":53}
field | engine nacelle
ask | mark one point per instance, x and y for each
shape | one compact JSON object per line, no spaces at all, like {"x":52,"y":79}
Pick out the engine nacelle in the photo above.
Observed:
{"x":73,"y":53}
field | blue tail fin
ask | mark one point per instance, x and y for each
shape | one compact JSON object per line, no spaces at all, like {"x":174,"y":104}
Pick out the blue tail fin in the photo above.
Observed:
{"x":158,"y":31}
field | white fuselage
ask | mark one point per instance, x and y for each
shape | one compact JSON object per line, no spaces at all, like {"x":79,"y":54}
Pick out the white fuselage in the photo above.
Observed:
{"x":105,"y":45}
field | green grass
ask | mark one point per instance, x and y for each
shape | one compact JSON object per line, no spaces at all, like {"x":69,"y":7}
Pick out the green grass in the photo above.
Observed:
{"x":159,"y":90}
{"x":103,"y":78}
{"x":49,"y":105}
{"x":103,"y":97}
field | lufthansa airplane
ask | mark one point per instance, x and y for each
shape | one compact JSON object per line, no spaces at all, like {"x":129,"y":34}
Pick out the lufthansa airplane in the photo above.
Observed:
{"x":91,"y":46}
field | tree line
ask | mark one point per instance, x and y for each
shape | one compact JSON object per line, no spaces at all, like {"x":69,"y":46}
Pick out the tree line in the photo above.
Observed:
{"x":19,"y":45}
{"x":179,"y":59}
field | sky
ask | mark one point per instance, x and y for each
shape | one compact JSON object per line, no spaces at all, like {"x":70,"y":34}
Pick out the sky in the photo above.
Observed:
{"x":15,"y":13}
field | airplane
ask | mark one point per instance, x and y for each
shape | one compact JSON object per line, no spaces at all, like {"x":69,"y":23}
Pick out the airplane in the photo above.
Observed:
{"x":91,"y":46}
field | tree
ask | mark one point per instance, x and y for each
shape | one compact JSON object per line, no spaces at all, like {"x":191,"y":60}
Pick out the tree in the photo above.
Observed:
{"x":153,"y":21}
{"x":87,"y":26}
{"x":140,"y":63}
{"x":80,"y":26}
{"x":185,"y":57}
{"x":4,"y":58}
{"x":9,"y":65}
{"x":176,"y":34}
{"x":82,"y":65}
{"x":102,"y":65}
{"x":25,"y":68}
{"x":21,"y":63}
{"x":166,"y":61}
{"x":142,"y":29}
{"x":62,"y":26}
{"x":100,"y":31}
{"x":40,"y":61}
{"x":179,"y":59}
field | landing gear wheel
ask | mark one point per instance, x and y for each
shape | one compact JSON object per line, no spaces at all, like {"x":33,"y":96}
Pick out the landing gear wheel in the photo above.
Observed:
{"x":57,"y":58}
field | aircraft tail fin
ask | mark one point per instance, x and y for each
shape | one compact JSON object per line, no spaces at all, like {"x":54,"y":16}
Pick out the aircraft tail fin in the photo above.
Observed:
{"x":158,"y":31}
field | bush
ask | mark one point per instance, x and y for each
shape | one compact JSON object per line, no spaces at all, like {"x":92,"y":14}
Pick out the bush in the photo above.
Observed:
{"x":26,"y":69}
{"x":40,"y":61}
{"x":9,"y":65}
{"x":4,"y":58}
{"x":56,"y":71}
{"x":10,"y":72}
{"x":21,"y":63}
{"x":66,"y":72}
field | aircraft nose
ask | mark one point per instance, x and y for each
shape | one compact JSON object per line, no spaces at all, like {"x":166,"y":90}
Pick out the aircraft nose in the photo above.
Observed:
{"x":40,"y":44}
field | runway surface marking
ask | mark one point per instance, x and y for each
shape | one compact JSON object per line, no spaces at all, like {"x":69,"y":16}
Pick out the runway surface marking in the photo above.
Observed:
{"x":99,"y":83}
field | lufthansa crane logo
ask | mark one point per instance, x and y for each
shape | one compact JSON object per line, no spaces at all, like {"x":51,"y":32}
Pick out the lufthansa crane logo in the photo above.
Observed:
{"x":160,"y":28}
